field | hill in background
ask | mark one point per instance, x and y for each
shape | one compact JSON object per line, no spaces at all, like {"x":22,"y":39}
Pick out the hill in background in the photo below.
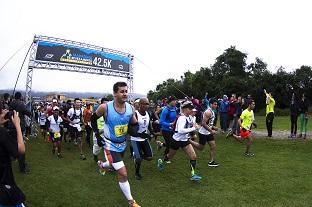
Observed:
{"x":42,"y":94}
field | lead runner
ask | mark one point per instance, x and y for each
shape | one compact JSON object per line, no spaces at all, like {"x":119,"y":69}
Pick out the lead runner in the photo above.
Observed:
{"x":119,"y":120}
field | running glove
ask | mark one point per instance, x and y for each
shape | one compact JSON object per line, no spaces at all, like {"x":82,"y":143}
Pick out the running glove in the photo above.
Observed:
{"x":100,"y":140}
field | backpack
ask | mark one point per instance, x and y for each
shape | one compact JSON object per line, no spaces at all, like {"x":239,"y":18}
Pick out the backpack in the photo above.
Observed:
{"x":75,"y":116}
{"x":174,"y":123}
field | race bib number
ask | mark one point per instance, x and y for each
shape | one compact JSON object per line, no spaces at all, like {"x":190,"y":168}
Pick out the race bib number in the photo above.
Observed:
{"x":57,"y":135}
{"x":121,"y":130}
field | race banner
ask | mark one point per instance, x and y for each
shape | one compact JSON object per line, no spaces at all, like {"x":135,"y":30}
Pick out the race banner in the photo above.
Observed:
{"x":63,"y":53}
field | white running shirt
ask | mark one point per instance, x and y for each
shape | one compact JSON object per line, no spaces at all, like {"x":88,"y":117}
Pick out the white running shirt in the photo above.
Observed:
{"x":183,"y":126}
{"x":143,"y":122}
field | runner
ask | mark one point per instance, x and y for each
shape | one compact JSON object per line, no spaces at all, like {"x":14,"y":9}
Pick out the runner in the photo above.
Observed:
{"x":119,"y":120}
{"x":245,"y":121}
{"x":75,"y":119}
{"x":42,"y":122}
{"x":100,"y":124}
{"x":63,"y":113}
{"x":155,"y":122}
{"x":141,"y":146}
{"x":87,"y":112}
{"x":53,"y":125}
{"x":183,"y":126}
{"x":167,"y":116}
{"x":206,"y":132}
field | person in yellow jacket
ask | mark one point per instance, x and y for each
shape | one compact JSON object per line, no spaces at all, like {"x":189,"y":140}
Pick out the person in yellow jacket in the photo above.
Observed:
{"x":270,"y":103}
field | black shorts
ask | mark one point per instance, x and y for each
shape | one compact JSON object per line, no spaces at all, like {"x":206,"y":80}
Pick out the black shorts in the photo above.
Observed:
{"x":65,"y":124}
{"x":141,"y":148}
{"x":54,"y":139}
{"x":204,"y":138}
{"x":177,"y":144}
{"x":44,"y":127}
{"x":74,"y":133}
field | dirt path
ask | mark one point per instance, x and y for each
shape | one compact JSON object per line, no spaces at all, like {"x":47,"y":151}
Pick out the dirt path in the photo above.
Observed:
{"x":277,"y":134}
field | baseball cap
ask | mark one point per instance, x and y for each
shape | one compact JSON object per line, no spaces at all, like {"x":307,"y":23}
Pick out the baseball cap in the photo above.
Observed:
{"x":55,"y":108}
{"x":54,"y":101}
{"x":187,"y":104}
{"x":194,"y":109}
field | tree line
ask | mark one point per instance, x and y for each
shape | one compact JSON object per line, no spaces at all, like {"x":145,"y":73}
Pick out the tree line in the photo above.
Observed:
{"x":231,"y":74}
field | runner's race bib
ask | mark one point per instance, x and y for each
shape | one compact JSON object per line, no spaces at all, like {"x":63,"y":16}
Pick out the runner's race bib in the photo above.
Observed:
{"x":57,"y":135}
{"x":121,"y":130}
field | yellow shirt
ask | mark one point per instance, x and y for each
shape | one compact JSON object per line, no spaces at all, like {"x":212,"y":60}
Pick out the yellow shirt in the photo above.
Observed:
{"x":247,"y":118}
{"x":270,"y":104}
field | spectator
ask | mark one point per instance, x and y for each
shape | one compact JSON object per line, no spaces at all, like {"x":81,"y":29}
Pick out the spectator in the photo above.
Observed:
{"x":231,"y":111}
{"x":6,"y":101}
{"x":19,"y":106}
{"x":11,"y":145}
{"x":304,"y":116}
{"x":223,"y":105}
{"x":270,"y":103}
{"x":293,"y":115}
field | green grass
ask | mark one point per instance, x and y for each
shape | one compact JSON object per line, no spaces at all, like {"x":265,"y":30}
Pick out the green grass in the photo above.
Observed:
{"x":279,"y":123}
{"x":279,"y":175}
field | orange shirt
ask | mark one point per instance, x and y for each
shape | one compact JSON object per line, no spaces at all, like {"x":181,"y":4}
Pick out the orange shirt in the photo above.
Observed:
{"x":87,"y":113}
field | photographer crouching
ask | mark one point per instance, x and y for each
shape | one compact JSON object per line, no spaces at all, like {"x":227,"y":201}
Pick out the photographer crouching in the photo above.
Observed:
{"x":11,"y":145}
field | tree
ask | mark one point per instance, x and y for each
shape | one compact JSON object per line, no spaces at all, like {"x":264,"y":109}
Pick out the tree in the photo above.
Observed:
{"x":231,"y":62}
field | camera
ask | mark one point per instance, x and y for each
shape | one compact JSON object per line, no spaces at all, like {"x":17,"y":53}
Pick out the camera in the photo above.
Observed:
{"x":9,"y":125}
{"x":8,"y":115}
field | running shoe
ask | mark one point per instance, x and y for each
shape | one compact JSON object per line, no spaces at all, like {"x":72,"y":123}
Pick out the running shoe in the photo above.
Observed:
{"x":160,"y":165}
{"x":159,"y":145}
{"x":213,"y":164}
{"x":138,"y":176}
{"x":229,"y":134}
{"x":59,"y":156}
{"x":102,"y":171}
{"x":249,"y":154}
{"x":196,"y":177}
{"x":82,"y":157}
{"x":134,"y":204}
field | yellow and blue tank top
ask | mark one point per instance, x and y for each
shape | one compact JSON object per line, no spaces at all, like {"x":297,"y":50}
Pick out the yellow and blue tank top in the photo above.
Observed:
{"x":116,"y":127}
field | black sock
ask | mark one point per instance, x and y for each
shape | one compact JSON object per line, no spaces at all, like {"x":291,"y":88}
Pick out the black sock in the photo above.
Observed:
{"x":137,"y":166}
{"x":166,"y":158}
{"x":193,"y":165}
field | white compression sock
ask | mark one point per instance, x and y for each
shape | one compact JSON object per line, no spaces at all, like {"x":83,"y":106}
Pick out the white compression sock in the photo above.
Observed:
{"x":125,"y":187}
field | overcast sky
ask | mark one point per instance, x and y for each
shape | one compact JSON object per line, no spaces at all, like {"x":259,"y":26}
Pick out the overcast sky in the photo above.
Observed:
{"x":166,"y":37}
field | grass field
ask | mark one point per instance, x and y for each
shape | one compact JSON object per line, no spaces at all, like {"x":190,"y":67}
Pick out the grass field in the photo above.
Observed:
{"x":278,"y":175}
{"x":279,"y":123}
